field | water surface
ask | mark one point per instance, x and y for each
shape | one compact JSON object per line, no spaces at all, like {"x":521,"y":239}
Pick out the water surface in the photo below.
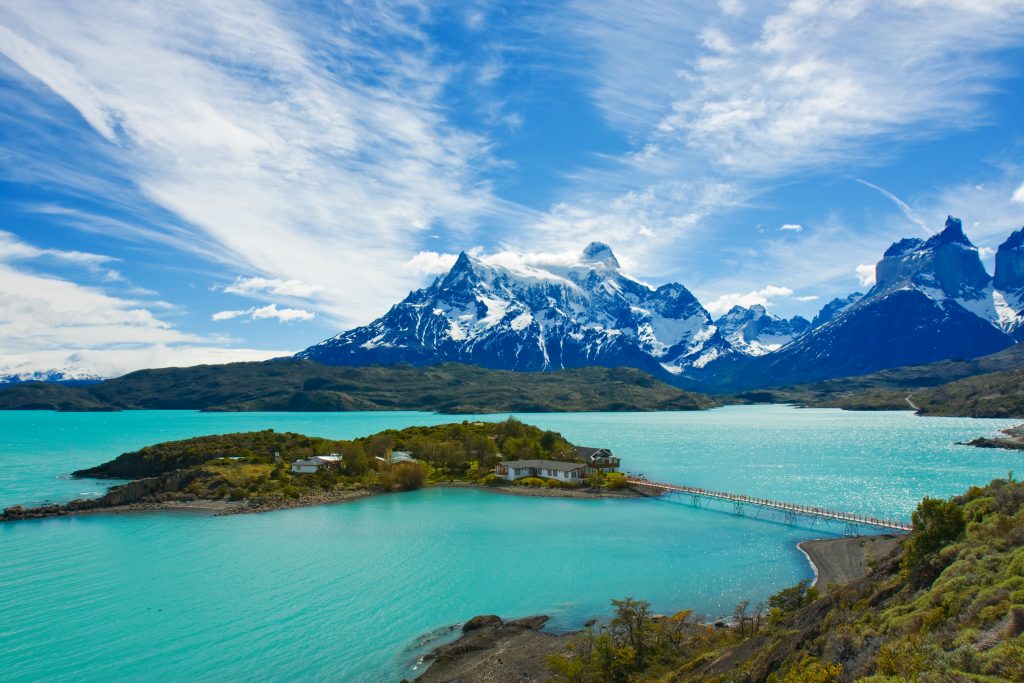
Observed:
{"x":341,"y":592}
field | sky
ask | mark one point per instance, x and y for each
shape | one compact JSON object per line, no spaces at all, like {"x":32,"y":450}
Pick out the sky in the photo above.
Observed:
{"x":185,"y":182}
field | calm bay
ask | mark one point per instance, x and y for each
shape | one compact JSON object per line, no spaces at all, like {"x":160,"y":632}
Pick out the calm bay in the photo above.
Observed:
{"x":345,"y":592}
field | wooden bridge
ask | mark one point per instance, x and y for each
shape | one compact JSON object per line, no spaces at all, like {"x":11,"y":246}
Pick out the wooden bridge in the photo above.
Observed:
{"x":790,"y":511}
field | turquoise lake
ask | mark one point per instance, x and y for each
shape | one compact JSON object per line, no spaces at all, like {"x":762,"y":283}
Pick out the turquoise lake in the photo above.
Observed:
{"x":346,"y":592}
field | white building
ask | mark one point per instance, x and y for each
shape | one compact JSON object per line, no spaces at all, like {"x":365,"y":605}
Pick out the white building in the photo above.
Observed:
{"x":574,"y":472}
{"x":316,"y":463}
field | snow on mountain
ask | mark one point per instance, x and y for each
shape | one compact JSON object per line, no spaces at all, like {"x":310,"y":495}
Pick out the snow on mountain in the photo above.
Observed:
{"x":1008,"y":285}
{"x":513,"y":316}
{"x":930,"y":302}
{"x":65,"y":376}
{"x":755,"y":332}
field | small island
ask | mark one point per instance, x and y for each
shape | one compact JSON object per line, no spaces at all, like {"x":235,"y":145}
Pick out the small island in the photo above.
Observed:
{"x":267,"y":470}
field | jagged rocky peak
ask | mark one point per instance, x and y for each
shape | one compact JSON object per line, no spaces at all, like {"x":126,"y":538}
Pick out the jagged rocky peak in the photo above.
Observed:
{"x":1009,"y":276}
{"x":754,"y":331}
{"x":947,"y":264}
{"x":833,"y":308}
{"x":600,"y":253}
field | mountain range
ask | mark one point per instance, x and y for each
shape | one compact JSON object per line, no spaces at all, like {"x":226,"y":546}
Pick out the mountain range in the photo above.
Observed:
{"x":932,"y":300}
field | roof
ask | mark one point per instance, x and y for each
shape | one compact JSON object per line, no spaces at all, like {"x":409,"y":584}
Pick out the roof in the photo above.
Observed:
{"x":333,"y":457}
{"x":587,"y":452}
{"x":547,"y":464}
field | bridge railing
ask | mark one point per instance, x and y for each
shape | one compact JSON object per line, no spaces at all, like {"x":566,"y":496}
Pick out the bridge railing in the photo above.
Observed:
{"x":812,"y":511}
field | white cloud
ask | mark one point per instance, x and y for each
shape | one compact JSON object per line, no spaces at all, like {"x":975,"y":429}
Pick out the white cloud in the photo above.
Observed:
{"x":644,"y":226}
{"x":796,"y":83}
{"x":765,"y":296}
{"x":791,"y":227}
{"x":866,"y":274}
{"x":809,"y":297}
{"x":250,"y":286}
{"x":304,"y":150}
{"x":431,"y":262}
{"x":284,"y":315}
{"x":13,"y":248}
{"x":124,"y":359}
{"x":1018,"y":196}
{"x":52,"y":322}
{"x":268,"y":312}
{"x":229,"y":315}
{"x":733,"y":8}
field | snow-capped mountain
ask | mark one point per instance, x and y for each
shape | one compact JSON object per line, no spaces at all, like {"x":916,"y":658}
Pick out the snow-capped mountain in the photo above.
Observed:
{"x":932,"y":300}
{"x":537,"y":318}
{"x":1008,"y":285}
{"x":65,"y":376}
{"x":754,"y":332}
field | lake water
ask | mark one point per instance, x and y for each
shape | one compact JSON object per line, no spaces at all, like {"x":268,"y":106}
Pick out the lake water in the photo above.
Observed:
{"x":345,"y":592}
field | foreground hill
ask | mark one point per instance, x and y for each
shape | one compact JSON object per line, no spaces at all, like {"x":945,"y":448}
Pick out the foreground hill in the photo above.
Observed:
{"x":307,"y":386}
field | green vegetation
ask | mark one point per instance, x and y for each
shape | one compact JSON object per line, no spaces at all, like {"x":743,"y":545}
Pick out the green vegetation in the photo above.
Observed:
{"x":307,"y":386}
{"x":989,"y":386}
{"x":947,"y":606}
{"x":256,"y":465}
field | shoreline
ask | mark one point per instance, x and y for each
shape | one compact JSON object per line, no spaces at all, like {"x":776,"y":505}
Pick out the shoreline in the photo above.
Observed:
{"x":220,"y":507}
{"x":493,"y":649}
{"x":1013,"y":441}
{"x":836,"y":561}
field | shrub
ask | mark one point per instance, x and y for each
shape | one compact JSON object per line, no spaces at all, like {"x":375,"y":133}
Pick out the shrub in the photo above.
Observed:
{"x":530,"y":481}
{"x":615,"y":481}
{"x":554,"y":484}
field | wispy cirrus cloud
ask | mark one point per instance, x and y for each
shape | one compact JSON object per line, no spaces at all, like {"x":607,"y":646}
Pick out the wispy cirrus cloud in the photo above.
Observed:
{"x":310,"y":149}
{"x":761,"y":92}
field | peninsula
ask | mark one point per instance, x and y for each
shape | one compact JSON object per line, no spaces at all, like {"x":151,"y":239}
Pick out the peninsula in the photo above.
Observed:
{"x":268,"y":470}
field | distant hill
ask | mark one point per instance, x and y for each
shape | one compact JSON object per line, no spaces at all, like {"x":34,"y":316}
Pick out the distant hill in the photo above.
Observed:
{"x":284,"y":385}
{"x":988,"y":386}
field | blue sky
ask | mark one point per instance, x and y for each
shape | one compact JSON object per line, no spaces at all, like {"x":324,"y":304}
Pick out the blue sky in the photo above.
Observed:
{"x":183,"y":184}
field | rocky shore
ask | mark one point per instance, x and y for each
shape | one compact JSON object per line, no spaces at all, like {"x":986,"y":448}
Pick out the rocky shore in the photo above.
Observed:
{"x":1014,"y":440}
{"x":494,"y":650}
{"x":491,"y":650}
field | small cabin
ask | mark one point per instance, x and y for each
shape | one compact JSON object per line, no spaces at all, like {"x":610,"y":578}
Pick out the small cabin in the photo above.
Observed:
{"x":316,"y":463}
{"x":598,"y":458}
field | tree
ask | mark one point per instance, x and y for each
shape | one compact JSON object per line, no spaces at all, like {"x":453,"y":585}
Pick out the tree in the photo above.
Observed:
{"x":937,"y":523}
{"x":741,"y":614}
{"x":632,"y":624}
{"x":409,"y":475}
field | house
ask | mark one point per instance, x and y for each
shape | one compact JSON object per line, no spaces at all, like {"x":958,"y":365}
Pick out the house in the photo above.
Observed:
{"x":396,"y":457}
{"x":316,"y":463}
{"x":599,"y":458}
{"x":548,"y":469}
